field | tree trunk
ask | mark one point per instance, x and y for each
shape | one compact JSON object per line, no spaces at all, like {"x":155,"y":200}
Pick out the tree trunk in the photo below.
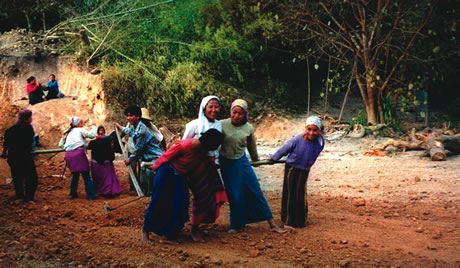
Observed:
{"x":372,"y":115}
{"x":435,"y":149}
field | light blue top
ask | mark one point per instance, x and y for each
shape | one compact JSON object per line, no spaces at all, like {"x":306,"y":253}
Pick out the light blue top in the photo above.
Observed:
{"x":53,"y":84}
{"x":146,"y":146}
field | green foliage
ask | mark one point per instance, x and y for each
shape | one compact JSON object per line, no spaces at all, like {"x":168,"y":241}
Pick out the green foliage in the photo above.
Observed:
{"x":388,"y":114}
{"x":360,"y":119}
{"x":168,"y":54}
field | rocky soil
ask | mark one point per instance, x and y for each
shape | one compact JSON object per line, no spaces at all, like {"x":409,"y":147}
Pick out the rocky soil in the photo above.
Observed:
{"x":398,"y":210}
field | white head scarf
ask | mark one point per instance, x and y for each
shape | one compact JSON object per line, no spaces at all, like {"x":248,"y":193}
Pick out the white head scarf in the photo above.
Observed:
{"x":204,"y":123}
{"x":314,"y":120}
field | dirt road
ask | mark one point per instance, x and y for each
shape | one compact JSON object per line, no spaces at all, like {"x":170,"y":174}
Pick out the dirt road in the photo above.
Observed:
{"x":401,"y":210}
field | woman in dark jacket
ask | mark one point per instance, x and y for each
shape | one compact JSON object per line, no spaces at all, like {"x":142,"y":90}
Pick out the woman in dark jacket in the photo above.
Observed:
{"x":17,"y":148}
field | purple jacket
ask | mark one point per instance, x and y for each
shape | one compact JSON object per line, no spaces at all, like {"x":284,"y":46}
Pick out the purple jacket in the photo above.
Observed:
{"x":302,"y":154}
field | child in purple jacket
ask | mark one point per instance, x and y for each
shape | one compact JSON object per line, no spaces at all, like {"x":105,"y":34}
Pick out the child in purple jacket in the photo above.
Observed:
{"x":302,"y":151}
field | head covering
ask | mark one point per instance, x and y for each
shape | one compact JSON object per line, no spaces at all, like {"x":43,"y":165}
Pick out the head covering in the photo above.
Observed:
{"x":23,"y":116}
{"x":244,"y":105}
{"x":145,"y":114}
{"x":73,"y":123}
{"x":211,"y":139}
{"x":314,"y":120}
{"x":201,"y":116}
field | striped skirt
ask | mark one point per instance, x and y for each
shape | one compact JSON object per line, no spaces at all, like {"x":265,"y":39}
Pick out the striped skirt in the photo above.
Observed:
{"x":294,"y":206}
{"x":208,"y":192}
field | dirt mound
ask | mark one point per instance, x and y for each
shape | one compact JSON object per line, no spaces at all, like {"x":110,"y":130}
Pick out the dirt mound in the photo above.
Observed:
{"x":275,"y":130}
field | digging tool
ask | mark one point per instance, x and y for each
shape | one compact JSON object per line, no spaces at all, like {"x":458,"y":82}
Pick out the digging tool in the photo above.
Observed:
{"x":130,"y":169}
{"x":63,"y":172}
{"x":107,"y":209}
{"x":253,"y":163}
{"x":49,"y":158}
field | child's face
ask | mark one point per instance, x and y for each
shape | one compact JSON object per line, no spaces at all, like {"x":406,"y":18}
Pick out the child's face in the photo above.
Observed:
{"x":212,"y":109}
{"x":311,"y":132}
{"x":101,"y":131}
{"x":52,"y":78}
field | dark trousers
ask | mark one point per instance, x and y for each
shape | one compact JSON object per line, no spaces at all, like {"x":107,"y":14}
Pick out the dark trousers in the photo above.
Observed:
{"x":24,"y":174}
{"x":89,"y":187}
{"x":36,"y":96}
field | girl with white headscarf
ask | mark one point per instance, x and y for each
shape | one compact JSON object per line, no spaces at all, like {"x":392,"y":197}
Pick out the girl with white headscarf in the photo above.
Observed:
{"x":302,"y":150}
{"x":207,"y":119}
{"x":74,"y":143}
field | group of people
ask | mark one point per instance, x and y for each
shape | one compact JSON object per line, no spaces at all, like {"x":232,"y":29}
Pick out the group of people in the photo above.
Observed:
{"x":36,"y":92}
{"x":189,"y":165}
{"x":104,"y":178}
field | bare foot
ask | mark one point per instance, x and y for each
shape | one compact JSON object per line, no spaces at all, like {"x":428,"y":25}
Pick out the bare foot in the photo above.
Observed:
{"x":196,"y":235}
{"x":145,"y":237}
{"x":279,"y":230}
{"x":287,"y":227}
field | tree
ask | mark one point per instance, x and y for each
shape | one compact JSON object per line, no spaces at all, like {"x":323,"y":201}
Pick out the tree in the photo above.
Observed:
{"x":373,"y":38}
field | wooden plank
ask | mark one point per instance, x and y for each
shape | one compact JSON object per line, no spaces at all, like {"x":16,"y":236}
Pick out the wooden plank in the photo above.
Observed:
{"x":253,"y":163}
{"x":49,"y":151}
{"x":130,"y":169}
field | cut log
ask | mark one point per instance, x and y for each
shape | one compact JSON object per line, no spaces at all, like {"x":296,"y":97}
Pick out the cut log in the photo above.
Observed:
{"x":403,"y":145}
{"x":435,"y":149}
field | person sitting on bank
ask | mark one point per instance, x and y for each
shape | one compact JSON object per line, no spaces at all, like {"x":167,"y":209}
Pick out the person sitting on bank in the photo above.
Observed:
{"x":53,"y":88}
{"x":34,"y":91}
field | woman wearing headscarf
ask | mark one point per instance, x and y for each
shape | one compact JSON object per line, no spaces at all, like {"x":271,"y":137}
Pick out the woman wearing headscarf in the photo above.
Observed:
{"x":168,"y":209}
{"x":17,"y":148}
{"x":205,"y":182}
{"x":207,"y":119}
{"x":73,"y":141}
{"x":247,"y":201}
{"x":302,"y":150}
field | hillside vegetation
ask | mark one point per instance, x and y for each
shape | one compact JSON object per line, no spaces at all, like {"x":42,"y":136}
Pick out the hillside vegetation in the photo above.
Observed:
{"x":168,"y":54}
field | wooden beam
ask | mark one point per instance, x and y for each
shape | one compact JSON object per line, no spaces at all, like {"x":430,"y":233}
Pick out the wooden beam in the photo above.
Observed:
{"x":253,"y":163}
{"x":49,"y":151}
{"x":130,"y":169}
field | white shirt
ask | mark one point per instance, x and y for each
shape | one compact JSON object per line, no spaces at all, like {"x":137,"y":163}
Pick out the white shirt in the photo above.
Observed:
{"x":76,"y":138}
